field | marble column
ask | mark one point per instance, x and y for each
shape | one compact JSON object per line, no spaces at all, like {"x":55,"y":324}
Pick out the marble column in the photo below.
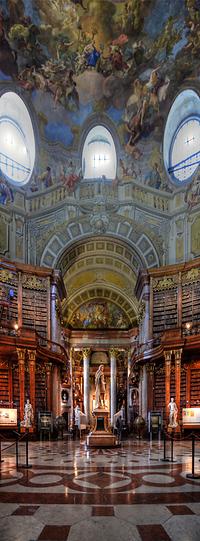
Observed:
{"x":32,"y":363}
{"x":86,"y":382}
{"x":21,"y":362}
{"x":56,"y":394}
{"x":49,"y":386}
{"x":167,"y":355}
{"x":177,"y":355}
{"x":55,"y":325}
{"x":113,"y":383}
{"x":144,"y":393}
{"x":150,"y":386}
{"x":128,"y":386}
{"x":71,"y":419}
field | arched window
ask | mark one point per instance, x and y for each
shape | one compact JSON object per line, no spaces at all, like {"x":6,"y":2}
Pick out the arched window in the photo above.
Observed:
{"x":99,"y":154}
{"x":17,"y":142}
{"x":182,"y":137}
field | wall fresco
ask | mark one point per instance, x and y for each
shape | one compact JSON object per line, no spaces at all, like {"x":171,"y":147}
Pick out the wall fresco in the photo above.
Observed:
{"x":98,"y":315}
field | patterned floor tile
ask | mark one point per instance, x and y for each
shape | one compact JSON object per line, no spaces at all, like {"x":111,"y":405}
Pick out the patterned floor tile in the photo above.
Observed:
{"x":102,"y":511}
{"x":180,"y":510}
{"x":153,"y":532}
{"x":54,"y":533}
{"x":26,"y":510}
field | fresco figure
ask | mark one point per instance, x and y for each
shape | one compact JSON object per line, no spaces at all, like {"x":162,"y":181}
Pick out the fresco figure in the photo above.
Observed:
{"x":6,"y":194}
{"x":46,"y":177}
{"x":91,"y":55}
{"x":192,"y":196}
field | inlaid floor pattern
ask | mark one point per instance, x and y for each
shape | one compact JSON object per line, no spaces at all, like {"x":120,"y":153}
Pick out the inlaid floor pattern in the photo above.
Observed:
{"x":71,"y":493}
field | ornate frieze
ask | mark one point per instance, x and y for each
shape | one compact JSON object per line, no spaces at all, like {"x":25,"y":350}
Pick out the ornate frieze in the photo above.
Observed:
{"x":193,"y":275}
{"x":33,"y":282}
{"x":7,"y":276}
{"x":165,"y":283}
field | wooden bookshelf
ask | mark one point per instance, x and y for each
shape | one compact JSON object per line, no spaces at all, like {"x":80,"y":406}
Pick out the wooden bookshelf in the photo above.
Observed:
{"x":164,"y":310}
{"x":4,"y":392}
{"x":191,"y":303}
{"x":34,"y":310}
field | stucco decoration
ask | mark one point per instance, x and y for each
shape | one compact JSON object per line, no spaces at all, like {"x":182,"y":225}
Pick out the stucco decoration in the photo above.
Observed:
{"x":195,"y":236}
{"x":3,"y":236}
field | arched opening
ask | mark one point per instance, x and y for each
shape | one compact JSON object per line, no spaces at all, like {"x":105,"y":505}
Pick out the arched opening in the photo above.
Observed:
{"x":99,"y":154}
{"x":17,"y":142}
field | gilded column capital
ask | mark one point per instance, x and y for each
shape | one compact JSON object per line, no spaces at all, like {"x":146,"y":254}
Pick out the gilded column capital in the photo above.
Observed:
{"x":49,"y":367}
{"x":31,"y":354}
{"x":86,"y":354}
{"x":150,"y":367}
{"x":168,"y":355}
{"x":113,"y":353}
{"x":21,"y":353}
{"x":177,"y":355}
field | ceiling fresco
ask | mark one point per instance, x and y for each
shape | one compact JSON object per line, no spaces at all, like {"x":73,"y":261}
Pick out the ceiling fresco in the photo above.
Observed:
{"x":124,"y":61}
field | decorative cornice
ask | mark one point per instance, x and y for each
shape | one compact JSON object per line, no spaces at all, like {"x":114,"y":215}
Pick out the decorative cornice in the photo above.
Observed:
{"x":165,"y":283}
{"x":33,"y":282}
{"x":193,"y":275}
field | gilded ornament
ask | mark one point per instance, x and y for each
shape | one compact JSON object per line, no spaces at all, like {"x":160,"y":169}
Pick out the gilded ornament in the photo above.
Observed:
{"x":33,"y":282}
{"x":192,"y":275}
{"x":165,"y":283}
{"x":141,"y":311}
{"x":7,"y":276}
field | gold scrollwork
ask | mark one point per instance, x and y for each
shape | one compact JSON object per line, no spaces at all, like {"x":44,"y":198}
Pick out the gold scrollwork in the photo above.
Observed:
{"x":7,"y":276}
{"x":86,"y":353}
{"x":33,"y":282}
{"x":165,"y":283}
{"x":193,"y":275}
{"x":141,"y":311}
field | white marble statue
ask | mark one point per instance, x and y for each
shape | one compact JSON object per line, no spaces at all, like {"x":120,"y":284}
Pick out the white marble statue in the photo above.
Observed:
{"x":28,"y":415}
{"x":100,"y":387}
{"x":173,"y":412}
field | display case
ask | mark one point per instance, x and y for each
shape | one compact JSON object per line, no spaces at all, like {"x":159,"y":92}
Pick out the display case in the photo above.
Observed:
{"x":154,"y":422}
{"x":45,"y":422}
{"x":8,"y":418}
{"x":191,"y":417}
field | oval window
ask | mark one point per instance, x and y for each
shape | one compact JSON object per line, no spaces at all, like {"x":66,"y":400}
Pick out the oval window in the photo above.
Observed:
{"x":17,"y":142}
{"x":181,"y":145}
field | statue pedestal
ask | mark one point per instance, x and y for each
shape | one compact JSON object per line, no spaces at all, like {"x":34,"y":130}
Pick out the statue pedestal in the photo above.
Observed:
{"x":100,"y":435}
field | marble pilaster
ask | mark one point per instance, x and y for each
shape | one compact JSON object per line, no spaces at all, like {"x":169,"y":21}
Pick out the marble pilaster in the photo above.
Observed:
{"x":113,"y":383}
{"x":86,"y":382}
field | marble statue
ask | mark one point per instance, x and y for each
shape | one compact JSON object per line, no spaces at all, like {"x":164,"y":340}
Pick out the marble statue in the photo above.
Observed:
{"x":100,"y":387}
{"x":28,"y":415}
{"x":173,"y":412}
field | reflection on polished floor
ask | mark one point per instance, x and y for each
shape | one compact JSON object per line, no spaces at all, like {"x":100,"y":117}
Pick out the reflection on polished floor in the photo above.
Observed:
{"x":122,"y":494}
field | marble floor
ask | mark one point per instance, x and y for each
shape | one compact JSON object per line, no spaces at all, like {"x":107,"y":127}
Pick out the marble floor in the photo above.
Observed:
{"x":124,"y":494}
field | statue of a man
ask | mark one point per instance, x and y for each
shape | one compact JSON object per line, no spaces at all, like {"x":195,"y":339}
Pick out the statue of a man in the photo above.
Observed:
{"x":28,"y":415}
{"x":100,"y":387}
{"x":173,"y":412}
